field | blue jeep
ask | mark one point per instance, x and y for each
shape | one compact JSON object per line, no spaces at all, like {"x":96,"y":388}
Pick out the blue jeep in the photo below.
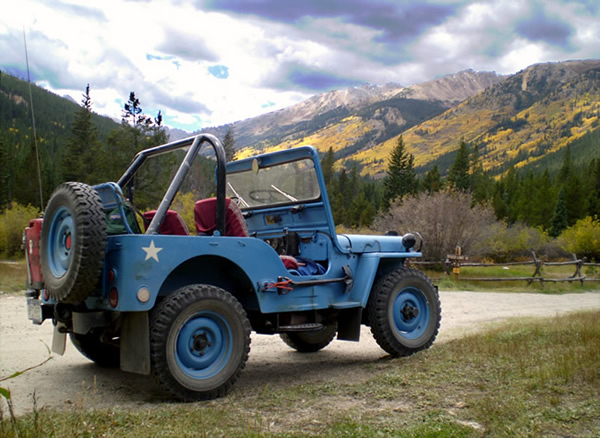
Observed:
{"x":265,"y":257}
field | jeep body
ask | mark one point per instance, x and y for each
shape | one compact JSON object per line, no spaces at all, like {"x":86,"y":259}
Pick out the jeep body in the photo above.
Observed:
{"x":265,"y":257}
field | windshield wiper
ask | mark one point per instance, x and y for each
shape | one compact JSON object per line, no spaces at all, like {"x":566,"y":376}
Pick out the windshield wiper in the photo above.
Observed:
{"x":287,"y":195}
{"x":237,"y":195}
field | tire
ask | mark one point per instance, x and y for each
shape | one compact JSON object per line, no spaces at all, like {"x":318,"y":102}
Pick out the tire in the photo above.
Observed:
{"x":310,"y":341}
{"x":404,"y":312}
{"x":199,"y":342}
{"x":104,"y":355}
{"x":72,"y":242}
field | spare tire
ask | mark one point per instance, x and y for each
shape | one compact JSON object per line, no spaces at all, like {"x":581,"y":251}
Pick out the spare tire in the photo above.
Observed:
{"x":72,"y":242}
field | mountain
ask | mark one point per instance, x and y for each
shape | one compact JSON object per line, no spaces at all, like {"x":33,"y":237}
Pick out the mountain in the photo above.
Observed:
{"x":517,"y":122}
{"x":358,"y":117}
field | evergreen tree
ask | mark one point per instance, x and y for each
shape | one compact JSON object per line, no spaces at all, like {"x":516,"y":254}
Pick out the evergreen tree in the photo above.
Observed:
{"x":82,"y":151}
{"x":594,"y":189}
{"x":327,"y":164}
{"x":229,"y":145}
{"x":566,"y":169}
{"x":575,"y":199}
{"x":340,"y":201}
{"x":481,"y":182}
{"x":458,"y":175}
{"x":132,"y":110}
{"x":542,"y":201}
{"x":158,"y":119}
{"x":4,"y":176}
{"x":559,"y":218}
{"x":126,"y":141}
{"x":401,"y":178}
{"x":432,"y":182}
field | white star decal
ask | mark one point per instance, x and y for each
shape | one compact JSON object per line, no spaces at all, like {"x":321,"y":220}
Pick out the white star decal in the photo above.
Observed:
{"x":151,"y":251}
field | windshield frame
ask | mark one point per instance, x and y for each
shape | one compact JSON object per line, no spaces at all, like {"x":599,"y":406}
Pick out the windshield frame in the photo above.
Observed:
{"x":275,"y":183}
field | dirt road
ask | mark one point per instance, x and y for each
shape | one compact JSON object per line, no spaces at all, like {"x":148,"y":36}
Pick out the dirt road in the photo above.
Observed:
{"x":73,"y":380}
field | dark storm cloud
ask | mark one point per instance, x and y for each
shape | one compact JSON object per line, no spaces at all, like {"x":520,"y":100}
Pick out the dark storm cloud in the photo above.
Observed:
{"x":186,"y":46}
{"x":397,"y":20}
{"x":539,"y":27}
{"x":319,"y":80}
{"x":293,"y":76}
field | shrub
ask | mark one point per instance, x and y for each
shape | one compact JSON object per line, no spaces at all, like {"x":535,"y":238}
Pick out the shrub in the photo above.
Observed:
{"x":507,"y":243}
{"x":582,"y":239}
{"x":444,"y":219}
{"x":184,"y":205}
{"x":12,"y":223}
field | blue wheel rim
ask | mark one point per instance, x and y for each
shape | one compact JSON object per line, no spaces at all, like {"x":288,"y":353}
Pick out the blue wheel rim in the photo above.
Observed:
{"x":410,"y":313}
{"x":203,"y":347}
{"x":61,"y":241}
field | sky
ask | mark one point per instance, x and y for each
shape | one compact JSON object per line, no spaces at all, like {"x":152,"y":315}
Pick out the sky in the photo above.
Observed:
{"x":206,"y":63}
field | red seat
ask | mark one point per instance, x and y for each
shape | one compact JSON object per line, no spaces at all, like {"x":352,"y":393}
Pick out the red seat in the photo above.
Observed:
{"x":205,"y":216}
{"x":171,"y":224}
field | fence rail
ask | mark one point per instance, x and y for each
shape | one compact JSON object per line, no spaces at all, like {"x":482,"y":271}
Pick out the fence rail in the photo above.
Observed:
{"x":453,"y":265}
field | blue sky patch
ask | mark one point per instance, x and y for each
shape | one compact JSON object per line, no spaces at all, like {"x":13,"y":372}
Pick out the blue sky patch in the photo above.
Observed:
{"x":219,"y":71}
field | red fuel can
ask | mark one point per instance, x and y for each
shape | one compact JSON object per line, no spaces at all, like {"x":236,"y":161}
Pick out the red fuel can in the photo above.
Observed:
{"x":32,"y":254}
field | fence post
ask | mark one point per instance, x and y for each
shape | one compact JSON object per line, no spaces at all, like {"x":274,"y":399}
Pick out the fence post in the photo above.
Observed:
{"x":578,"y":265}
{"x":538,"y":270}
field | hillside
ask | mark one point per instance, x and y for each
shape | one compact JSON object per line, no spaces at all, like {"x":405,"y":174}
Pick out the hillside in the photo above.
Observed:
{"x":518,"y":122}
{"x":521,"y":120}
{"x":53,"y":114}
{"x":356,"y":118}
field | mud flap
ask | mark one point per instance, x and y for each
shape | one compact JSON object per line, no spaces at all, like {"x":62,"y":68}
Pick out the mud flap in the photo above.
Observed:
{"x":59,"y":338}
{"x":135,"y":343}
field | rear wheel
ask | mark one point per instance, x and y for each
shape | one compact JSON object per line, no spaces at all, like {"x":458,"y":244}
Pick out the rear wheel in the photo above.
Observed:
{"x":310,"y":341}
{"x":72,"y":242}
{"x":103,"y":354}
{"x":199,"y":342}
{"x":404,"y":312}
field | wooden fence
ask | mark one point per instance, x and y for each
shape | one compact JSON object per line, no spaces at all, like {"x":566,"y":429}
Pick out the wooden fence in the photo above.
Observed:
{"x":454,"y":263}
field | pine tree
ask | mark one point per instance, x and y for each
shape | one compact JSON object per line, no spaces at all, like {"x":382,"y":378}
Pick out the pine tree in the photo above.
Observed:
{"x":559,"y":218}
{"x":458,"y":175}
{"x":327,"y":164}
{"x":401,"y":178}
{"x":132,"y":110}
{"x":594,"y":189}
{"x":566,"y":169}
{"x":542,"y":201}
{"x":229,"y":145}
{"x":82,"y":152}
{"x":481,"y":182}
{"x":432,"y":182}
{"x":4,"y":176}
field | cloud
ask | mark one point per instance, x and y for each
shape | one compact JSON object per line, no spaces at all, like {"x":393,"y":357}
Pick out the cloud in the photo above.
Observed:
{"x":389,"y":23}
{"x":540,"y":27}
{"x":317,"y":80}
{"x":186,"y":45}
{"x":208,"y":62}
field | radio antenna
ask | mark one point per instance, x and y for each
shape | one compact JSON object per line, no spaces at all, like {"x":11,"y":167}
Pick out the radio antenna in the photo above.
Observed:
{"x":37,"y":152}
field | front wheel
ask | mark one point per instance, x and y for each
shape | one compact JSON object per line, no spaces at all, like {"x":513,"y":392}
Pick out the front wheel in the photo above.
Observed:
{"x":404,"y":312}
{"x":199,"y":342}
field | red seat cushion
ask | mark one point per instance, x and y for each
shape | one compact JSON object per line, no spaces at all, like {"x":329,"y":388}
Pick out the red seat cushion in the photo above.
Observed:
{"x":205,"y":216}
{"x":171,"y":224}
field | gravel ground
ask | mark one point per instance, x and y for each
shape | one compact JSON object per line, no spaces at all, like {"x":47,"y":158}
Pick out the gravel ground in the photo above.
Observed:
{"x":72,"y":380}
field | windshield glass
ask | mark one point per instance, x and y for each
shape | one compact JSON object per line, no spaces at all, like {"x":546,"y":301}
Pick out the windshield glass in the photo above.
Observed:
{"x":286,"y":183}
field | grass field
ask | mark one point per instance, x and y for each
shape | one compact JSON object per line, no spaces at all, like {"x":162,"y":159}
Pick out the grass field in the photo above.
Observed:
{"x":536,"y":377}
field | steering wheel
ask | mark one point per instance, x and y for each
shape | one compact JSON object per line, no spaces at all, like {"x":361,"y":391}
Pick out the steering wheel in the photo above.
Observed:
{"x":264,"y":195}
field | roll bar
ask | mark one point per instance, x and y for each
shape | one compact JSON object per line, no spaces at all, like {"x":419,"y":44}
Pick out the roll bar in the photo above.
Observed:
{"x":194,"y":143}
